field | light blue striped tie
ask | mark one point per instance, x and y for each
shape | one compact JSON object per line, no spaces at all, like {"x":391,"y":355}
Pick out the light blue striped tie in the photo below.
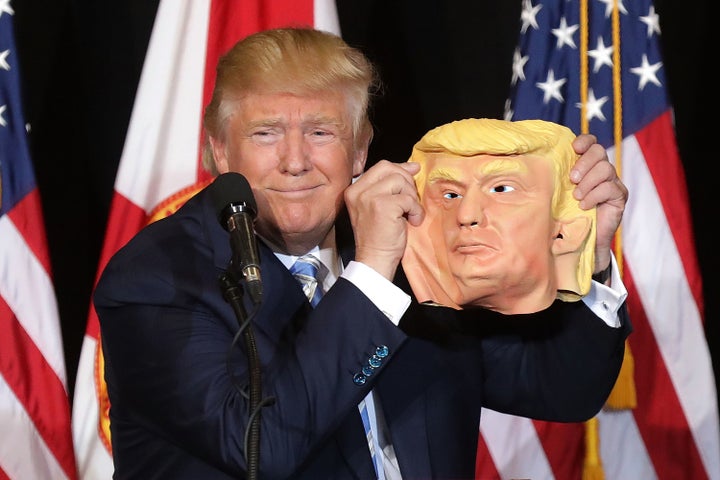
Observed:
{"x":305,"y":270}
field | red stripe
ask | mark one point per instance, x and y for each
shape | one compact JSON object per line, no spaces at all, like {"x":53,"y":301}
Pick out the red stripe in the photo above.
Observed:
{"x":564,"y":445}
{"x":37,"y":388}
{"x":484,"y":465}
{"x":27,"y":217}
{"x":657,"y":142}
{"x":659,"y":416}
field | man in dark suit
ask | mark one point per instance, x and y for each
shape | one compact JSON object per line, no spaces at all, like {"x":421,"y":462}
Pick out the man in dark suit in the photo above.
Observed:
{"x":368,"y":383}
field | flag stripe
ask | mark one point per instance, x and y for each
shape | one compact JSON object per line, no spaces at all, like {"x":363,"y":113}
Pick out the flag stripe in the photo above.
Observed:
{"x":26,"y":373}
{"x":674,"y":431}
{"x":680,"y":343}
{"x":31,"y":355}
{"x":623,"y":451}
{"x":34,"y":406}
{"x":31,"y":227}
{"x":24,"y":453}
{"x":664,"y":165}
{"x":661,"y":423}
{"x":505,"y":436}
{"x":566,"y":463}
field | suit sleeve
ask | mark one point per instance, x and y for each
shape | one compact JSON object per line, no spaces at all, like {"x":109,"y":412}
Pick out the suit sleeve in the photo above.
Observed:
{"x":558,"y":365}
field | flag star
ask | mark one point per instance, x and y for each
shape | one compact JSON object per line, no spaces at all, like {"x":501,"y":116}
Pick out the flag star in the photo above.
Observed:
{"x":551,"y":88}
{"x":594,"y":106}
{"x":6,"y":8}
{"x":518,"y":66}
{"x":3,"y":123}
{"x":508,"y":110}
{"x":527,"y":17}
{"x":647,"y":72}
{"x":609,"y":7}
{"x":564,"y":33}
{"x":3,"y":62}
{"x":652,"y":20}
{"x":602,"y":55}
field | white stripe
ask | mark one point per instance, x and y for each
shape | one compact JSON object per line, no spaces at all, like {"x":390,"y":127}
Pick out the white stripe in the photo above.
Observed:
{"x":655,"y":264}
{"x":160,"y":155}
{"x":28,"y":291}
{"x":622,"y":450}
{"x":94,"y":462}
{"x":325,"y":16}
{"x":514,"y":446}
{"x":23,"y":453}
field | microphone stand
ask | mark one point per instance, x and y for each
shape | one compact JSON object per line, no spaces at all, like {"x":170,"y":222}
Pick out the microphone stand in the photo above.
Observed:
{"x":233,"y":294}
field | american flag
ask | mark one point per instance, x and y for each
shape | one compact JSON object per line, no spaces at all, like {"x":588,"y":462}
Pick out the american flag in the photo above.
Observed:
{"x":160,"y":163}
{"x":602,"y":58}
{"x":36,"y":437}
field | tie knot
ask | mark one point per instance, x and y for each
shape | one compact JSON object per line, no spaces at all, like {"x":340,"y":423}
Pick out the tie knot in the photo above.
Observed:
{"x":305,"y":270}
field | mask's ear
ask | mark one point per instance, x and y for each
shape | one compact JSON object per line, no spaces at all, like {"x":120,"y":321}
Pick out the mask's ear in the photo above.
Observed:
{"x":570,"y":235}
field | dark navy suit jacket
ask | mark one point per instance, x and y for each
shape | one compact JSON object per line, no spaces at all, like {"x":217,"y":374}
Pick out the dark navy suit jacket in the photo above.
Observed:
{"x":177,"y":381}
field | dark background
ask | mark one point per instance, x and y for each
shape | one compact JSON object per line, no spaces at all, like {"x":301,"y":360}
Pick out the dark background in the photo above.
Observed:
{"x":440,"y":60}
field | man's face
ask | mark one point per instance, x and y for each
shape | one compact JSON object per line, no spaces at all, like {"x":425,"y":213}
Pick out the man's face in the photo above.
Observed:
{"x":297,"y":154}
{"x":493,"y":214}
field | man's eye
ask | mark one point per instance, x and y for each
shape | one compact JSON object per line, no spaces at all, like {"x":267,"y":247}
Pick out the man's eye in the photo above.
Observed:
{"x":265,"y":137}
{"x":502,"y":189}
{"x":451,"y":195}
{"x":321,"y":137}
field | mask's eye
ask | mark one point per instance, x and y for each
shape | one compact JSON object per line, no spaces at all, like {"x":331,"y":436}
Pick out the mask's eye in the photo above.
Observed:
{"x":451,"y":195}
{"x":502,"y":189}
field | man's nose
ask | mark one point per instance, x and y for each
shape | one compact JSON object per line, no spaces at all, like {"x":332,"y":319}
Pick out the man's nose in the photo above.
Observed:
{"x":294,"y":154}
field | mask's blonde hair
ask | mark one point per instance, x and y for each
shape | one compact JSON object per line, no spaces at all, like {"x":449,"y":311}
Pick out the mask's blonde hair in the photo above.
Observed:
{"x":551,"y":141}
{"x":298,"y":61}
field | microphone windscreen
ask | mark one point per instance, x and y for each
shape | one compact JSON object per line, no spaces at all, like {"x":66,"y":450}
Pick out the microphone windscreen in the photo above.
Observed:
{"x":229,"y":191}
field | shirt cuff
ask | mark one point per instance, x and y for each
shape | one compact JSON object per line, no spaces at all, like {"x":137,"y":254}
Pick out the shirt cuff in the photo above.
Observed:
{"x":386,"y":296}
{"x":604,"y":300}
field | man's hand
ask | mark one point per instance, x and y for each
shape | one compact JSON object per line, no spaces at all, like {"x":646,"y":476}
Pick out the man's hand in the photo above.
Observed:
{"x":597,"y":185}
{"x":380,"y":204}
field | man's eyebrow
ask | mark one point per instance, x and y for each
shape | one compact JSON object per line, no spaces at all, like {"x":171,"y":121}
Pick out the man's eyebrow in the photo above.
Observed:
{"x":265,"y":122}
{"x":315,"y":120}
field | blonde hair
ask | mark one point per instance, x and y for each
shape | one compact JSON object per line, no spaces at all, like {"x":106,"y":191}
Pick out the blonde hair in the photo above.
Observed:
{"x":298,"y":61}
{"x":551,"y":141}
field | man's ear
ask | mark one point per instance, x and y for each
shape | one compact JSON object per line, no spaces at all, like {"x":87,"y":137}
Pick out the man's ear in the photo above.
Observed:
{"x":219,"y":155}
{"x":570,"y":235}
{"x":359,"y":161}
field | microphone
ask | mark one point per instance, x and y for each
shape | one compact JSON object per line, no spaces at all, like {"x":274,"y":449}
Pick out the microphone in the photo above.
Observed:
{"x":236,"y":209}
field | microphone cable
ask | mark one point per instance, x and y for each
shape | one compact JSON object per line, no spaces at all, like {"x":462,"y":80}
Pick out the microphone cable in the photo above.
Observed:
{"x":233,"y":294}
